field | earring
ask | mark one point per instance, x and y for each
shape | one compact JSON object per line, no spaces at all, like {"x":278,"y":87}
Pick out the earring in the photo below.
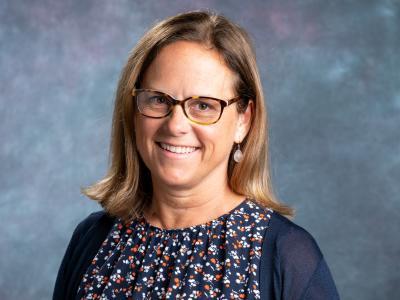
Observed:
{"x":238,"y":155}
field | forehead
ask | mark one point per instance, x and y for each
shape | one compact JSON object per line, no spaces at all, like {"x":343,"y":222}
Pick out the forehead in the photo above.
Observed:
{"x":183,"y":69}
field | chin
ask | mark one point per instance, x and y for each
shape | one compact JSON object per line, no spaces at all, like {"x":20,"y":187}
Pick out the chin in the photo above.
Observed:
{"x":179,"y":182}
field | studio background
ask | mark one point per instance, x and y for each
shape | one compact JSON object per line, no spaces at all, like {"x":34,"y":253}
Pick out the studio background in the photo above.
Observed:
{"x":330,"y":71}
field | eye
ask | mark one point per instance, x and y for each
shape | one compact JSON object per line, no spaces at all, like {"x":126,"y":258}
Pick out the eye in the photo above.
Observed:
{"x":202,"y":106}
{"x":158,"y":99}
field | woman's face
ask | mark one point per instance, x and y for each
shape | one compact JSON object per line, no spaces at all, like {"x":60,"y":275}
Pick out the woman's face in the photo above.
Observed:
{"x":180,"y":153}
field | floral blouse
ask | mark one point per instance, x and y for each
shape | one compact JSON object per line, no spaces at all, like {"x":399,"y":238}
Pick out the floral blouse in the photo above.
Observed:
{"x":218,"y":259}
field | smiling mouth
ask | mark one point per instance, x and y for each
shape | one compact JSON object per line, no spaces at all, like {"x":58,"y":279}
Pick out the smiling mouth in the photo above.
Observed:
{"x":176,"y":149}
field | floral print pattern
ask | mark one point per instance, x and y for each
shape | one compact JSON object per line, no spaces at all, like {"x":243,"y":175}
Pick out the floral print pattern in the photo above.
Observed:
{"x":218,"y":259}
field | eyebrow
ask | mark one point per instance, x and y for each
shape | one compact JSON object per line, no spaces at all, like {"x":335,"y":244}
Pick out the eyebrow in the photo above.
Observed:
{"x":192,"y":95}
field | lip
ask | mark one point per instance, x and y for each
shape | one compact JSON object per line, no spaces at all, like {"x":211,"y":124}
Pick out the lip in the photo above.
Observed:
{"x":176,"y":145}
{"x":175,"y":155}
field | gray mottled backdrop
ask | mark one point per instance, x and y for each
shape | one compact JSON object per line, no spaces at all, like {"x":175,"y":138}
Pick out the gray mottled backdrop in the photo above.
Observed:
{"x":331,"y":75}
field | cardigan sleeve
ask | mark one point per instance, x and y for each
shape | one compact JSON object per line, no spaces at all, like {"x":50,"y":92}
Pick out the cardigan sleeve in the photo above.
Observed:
{"x":296,"y":264}
{"x":302,"y":267}
{"x":321,"y":284}
{"x":83,"y":244}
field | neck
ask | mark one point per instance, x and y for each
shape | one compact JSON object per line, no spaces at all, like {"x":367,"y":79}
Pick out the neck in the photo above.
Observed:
{"x":173,"y":207}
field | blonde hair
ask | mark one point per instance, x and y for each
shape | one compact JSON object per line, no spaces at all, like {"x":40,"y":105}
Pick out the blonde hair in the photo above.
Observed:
{"x":126,"y":188}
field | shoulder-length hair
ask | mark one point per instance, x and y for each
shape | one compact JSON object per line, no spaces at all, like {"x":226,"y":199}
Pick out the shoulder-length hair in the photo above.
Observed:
{"x":126,"y":188}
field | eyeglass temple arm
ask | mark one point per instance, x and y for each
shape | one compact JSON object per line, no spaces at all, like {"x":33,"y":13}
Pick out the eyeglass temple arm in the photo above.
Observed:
{"x":229,"y":102}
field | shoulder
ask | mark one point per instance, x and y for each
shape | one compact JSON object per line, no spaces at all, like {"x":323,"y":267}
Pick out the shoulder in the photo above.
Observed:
{"x":282,"y":237}
{"x":292,"y":240}
{"x":91,"y":224}
{"x":83,"y":245}
{"x":91,"y":220}
{"x":293,"y":265}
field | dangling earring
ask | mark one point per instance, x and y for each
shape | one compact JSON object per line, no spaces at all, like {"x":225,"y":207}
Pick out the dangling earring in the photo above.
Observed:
{"x":238,"y":155}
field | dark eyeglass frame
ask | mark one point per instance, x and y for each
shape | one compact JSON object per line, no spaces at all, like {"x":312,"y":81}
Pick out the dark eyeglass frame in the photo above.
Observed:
{"x":173,"y":102}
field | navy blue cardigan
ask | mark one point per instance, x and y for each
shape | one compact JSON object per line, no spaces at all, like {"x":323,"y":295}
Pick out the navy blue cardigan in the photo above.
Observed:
{"x":292,"y":265}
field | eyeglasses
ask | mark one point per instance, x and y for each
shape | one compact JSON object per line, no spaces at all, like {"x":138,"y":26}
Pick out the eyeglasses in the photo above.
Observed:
{"x":198,"y":109}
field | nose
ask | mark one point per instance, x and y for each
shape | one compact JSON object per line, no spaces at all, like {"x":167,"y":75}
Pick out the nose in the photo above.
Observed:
{"x":176,"y":121}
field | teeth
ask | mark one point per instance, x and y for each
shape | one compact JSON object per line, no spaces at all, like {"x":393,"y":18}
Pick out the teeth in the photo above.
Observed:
{"x":177,"y":149}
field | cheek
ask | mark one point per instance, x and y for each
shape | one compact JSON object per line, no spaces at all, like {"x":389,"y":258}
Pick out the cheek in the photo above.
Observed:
{"x":145,"y":128}
{"x":218,"y":139}
{"x":144,"y":132}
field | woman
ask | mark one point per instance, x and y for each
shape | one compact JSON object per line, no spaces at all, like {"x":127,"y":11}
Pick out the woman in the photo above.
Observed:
{"x":189,"y":211}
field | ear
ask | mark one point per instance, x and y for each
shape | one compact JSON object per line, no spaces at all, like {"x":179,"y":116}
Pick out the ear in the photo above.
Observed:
{"x":244,"y":122}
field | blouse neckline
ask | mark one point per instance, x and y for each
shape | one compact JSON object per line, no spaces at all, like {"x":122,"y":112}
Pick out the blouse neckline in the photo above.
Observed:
{"x":193,"y":228}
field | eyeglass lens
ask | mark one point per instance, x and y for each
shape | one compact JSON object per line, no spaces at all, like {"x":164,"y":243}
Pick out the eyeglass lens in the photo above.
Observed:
{"x":157,"y":105}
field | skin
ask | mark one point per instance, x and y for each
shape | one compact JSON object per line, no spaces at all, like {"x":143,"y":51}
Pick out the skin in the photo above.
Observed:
{"x":190,"y":189}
